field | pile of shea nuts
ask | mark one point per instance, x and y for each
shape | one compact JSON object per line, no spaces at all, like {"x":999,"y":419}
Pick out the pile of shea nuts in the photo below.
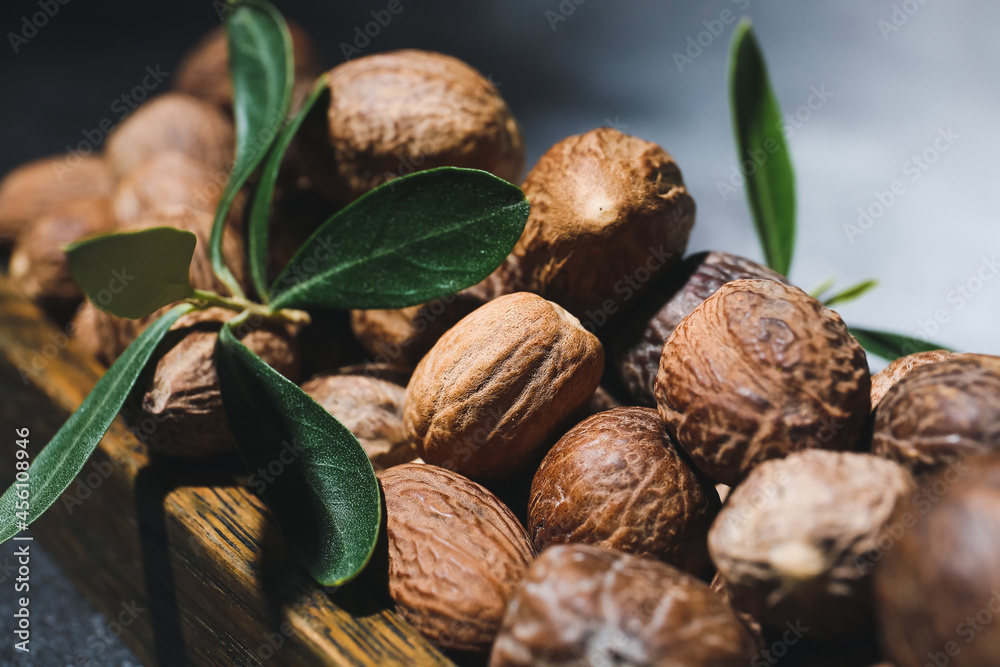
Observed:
{"x":607,"y":452}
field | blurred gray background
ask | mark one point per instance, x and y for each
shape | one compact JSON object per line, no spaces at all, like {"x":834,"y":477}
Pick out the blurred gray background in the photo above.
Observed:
{"x":883,"y":91}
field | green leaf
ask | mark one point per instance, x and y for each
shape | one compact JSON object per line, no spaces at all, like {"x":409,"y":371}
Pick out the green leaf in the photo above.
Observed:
{"x":821,"y":289}
{"x":412,"y":240}
{"x":313,"y":472}
{"x":760,"y":139}
{"x":851,"y":293}
{"x":132,"y":274}
{"x":260,"y":66}
{"x":59,"y":462}
{"x":892,"y":346}
{"x":260,"y":213}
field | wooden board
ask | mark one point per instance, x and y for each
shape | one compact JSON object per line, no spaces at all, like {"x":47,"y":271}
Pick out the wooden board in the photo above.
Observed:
{"x":180,"y":550}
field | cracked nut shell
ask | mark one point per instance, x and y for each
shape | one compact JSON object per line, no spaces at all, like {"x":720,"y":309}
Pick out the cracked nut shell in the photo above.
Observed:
{"x":28,"y":191}
{"x":495,"y":387}
{"x":937,"y":586}
{"x":394,"y":113}
{"x":455,"y":554}
{"x":793,"y":541}
{"x":176,"y":406}
{"x":586,"y":605}
{"x":757,"y":371}
{"x":639,"y":340}
{"x":608,"y":212}
{"x":618,"y":480}
{"x":941,"y":412}
{"x":890,"y":376}
{"x":172,"y":121}
{"x":371,"y":407}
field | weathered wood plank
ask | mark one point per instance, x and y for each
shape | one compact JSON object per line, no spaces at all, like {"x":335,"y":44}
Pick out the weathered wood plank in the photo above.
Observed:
{"x":211,"y":579}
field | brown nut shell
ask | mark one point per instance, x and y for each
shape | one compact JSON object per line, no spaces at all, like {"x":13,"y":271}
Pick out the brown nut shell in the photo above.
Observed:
{"x":941,"y":412}
{"x":586,"y":605}
{"x":27,"y":192}
{"x":937,"y":585}
{"x":455,"y":554}
{"x":372,"y":408}
{"x":608,"y":212}
{"x":639,"y":340}
{"x":204,"y":71}
{"x":394,"y":113}
{"x":792,"y":541}
{"x":757,"y":371}
{"x":889,"y":377}
{"x":172,"y":122}
{"x":618,"y":480}
{"x":38,"y":264}
{"x":163,"y":180}
{"x":498,"y":384}
{"x":176,"y":406}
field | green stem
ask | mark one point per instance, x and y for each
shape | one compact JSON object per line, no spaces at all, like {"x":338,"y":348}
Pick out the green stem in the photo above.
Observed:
{"x":246,"y":307}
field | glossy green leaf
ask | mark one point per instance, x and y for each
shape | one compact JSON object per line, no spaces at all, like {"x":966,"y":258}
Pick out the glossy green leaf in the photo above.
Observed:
{"x":132,"y":274}
{"x":892,"y":346}
{"x":311,"y":470}
{"x":851,"y":293}
{"x":412,"y":240}
{"x":260,"y":213}
{"x":59,"y":462}
{"x":260,"y":67}
{"x":760,"y":142}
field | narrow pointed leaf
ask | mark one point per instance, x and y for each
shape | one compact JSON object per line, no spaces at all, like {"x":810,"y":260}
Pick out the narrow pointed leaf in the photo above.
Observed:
{"x":59,"y":462}
{"x":757,"y":124}
{"x":412,"y":240}
{"x":892,"y":346}
{"x":311,"y":470}
{"x":260,"y":66}
{"x":851,"y":293}
{"x":260,"y":213}
{"x":132,"y":274}
{"x":824,"y":287}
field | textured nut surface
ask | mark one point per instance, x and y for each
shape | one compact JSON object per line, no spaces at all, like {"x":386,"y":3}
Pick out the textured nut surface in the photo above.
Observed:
{"x":455,"y":554}
{"x":608,"y":211}
{"x":165,"y":179}
{"x":372,"y":408}
{"x":940,"y":581}
{"x":172,"y":121}
{"x":38,"y":265}
{"x":204,"y":71}
{"x":176,"y":406}
{"x":404,"y":335}
{"x":586,"y":605}
{"x":757,"y":371}
{"x":28,"y":191}
{"x":890,"y":376}
{"x":618,"y":480}
{"x":940,"y":412}
{"x":106,"y":336}
{"x":640,"y":338}
{"x":498,"y":383}
{"x":397,"y":112}
{"x":793,"y":540}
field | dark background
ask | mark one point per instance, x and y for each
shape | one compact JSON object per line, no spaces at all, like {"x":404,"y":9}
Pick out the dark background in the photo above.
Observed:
{"x":608,"y":62}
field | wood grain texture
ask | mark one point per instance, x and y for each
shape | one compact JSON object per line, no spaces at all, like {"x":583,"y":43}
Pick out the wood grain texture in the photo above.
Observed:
{"x":196,"y":550}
